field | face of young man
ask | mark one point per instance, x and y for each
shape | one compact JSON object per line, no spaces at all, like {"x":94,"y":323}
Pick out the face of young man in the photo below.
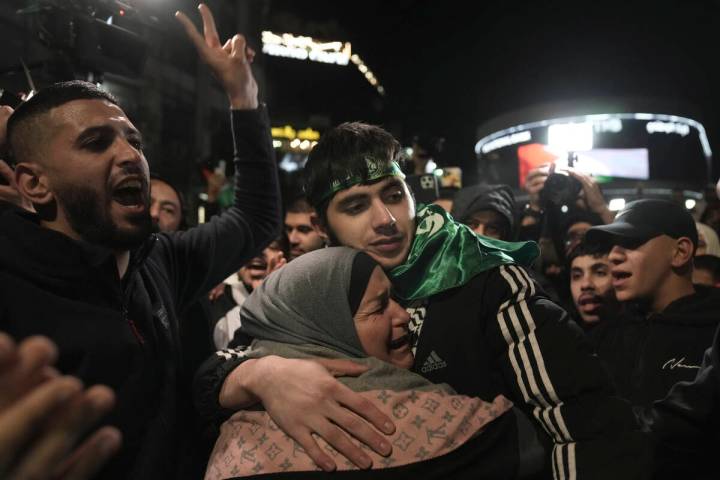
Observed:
{"x":94,"y":166}
{"x":488,"y":223}
{"x":382,"y":324}
{"x":641,"y":272}
{"x":165,"y":207}
{"x":591,"y":286}
{"x":257,"y":269}
{"x":378,"y":219}
{"x":301,"y":234}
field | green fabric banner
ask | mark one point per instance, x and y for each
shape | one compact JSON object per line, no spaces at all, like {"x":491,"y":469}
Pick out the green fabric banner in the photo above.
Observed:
{"x":447,"y":254}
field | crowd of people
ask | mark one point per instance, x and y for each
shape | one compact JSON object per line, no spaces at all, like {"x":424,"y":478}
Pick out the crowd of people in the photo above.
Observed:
{"x":347,"y":331}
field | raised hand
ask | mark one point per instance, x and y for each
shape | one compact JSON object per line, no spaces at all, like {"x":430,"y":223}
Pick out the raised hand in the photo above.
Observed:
{"x":230,"y":62}
{"x":592,"y":195}
{"x":534,"y":183}
{"x":43,"y":415}
{"x":304,"y":399}
{"x":275,"y":260}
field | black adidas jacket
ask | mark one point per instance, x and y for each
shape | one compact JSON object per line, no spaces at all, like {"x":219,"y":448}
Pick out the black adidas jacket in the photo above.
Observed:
{"x":499,"y":335}
{"x":125,"y":334}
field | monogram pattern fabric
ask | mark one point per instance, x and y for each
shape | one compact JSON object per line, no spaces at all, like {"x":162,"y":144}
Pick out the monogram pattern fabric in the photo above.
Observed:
{"x":429,"y":424}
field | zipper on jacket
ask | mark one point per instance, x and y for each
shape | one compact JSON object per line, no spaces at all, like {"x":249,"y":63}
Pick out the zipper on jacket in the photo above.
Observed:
{"x":135,"y":261}
{"x":133,"y":327}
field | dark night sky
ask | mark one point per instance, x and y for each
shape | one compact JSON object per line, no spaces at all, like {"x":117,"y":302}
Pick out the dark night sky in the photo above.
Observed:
{"x":449,"y":66}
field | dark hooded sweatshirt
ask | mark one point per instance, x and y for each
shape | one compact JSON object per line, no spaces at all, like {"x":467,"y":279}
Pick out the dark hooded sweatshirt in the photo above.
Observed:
{"x":647,"y":355}
{"x":125,"y":333}
{"x":497,"y":198}
{"x":686,"y":424}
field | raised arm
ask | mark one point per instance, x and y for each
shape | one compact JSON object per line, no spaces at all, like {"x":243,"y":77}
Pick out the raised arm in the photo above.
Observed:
{"x":229,"y":62}
{"x":200,"y":258}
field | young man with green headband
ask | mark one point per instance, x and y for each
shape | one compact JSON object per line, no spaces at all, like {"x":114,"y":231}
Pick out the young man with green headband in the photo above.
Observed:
{"x":478,"y":323}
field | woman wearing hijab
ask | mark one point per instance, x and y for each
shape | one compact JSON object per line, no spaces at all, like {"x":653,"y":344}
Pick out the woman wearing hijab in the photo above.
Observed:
{"x":336,"y":303}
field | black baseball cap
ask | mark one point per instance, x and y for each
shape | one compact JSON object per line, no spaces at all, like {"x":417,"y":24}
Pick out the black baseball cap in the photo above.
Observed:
{"x":643,"y":220}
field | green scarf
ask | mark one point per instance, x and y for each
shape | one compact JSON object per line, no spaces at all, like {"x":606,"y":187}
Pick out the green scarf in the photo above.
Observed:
{"x":447,"y":254}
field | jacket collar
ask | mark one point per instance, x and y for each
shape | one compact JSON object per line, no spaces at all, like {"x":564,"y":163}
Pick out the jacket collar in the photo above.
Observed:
{"x":29,"y":247}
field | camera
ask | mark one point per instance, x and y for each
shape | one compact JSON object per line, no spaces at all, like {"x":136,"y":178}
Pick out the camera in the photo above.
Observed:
{"x":560,"y":188}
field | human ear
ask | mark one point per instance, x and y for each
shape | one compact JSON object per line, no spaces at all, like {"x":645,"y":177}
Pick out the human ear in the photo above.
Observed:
{"x":32,"y":183}
{"x":684,"y":251}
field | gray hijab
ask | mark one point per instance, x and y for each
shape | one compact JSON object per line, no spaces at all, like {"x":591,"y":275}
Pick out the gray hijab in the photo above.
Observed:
{"x":303,"y":311}
{"x":306,"y":302}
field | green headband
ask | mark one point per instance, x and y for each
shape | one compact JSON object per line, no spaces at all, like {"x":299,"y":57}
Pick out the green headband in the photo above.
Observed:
{"x":375,"y":169}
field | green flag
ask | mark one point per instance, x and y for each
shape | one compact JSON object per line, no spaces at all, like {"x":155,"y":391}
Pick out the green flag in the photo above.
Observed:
{"x":447,"y":254}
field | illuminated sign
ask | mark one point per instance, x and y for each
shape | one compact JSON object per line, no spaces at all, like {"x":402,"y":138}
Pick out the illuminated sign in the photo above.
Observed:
{"x":369,"y":75}
{"x":506,"y":140}
{"x":681,"y":129}
{"x":305,"y":48}
{"x":570,"y":136}
{"x":614,"y":146}
{"x":580,"y":128}
{"x":290,"y":133}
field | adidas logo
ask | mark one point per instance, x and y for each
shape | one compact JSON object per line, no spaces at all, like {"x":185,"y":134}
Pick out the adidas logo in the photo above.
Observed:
{"x":433,"y":362}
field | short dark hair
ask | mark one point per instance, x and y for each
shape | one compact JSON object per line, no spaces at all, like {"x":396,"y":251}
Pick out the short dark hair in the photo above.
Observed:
{"x":299,"y":205}
{"x":341,"y":150}
{"x":57,"y":94}
{"x":711,"y":263}
{"x":580,"y":216}
{"x":585,"y":248}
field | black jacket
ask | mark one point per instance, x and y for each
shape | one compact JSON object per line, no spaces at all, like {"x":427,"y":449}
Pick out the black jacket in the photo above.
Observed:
{"x":499,"y":335}
{"x":125,"y":333}
{"x":686,"y":424}
{"x":648,"y":354}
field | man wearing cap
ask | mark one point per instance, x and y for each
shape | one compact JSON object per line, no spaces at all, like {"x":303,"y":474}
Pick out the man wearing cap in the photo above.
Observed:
{"x":653,"y":243}
{"x":478,"y":323}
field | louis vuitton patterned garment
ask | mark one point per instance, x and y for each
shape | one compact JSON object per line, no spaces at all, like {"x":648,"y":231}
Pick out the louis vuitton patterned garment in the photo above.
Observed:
{"x":429,"y":424}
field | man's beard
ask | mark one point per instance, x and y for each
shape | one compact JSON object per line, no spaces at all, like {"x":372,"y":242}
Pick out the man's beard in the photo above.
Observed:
{"x":90,"y":218}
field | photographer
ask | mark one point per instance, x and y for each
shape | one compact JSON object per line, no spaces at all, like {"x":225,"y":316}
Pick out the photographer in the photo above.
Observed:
{"x":584,"y":193}
{"x":563,"y":204}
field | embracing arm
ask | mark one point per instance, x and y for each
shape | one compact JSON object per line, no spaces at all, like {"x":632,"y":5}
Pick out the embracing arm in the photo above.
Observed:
{"x":554,"y":376}
{"x":301,"y":396}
